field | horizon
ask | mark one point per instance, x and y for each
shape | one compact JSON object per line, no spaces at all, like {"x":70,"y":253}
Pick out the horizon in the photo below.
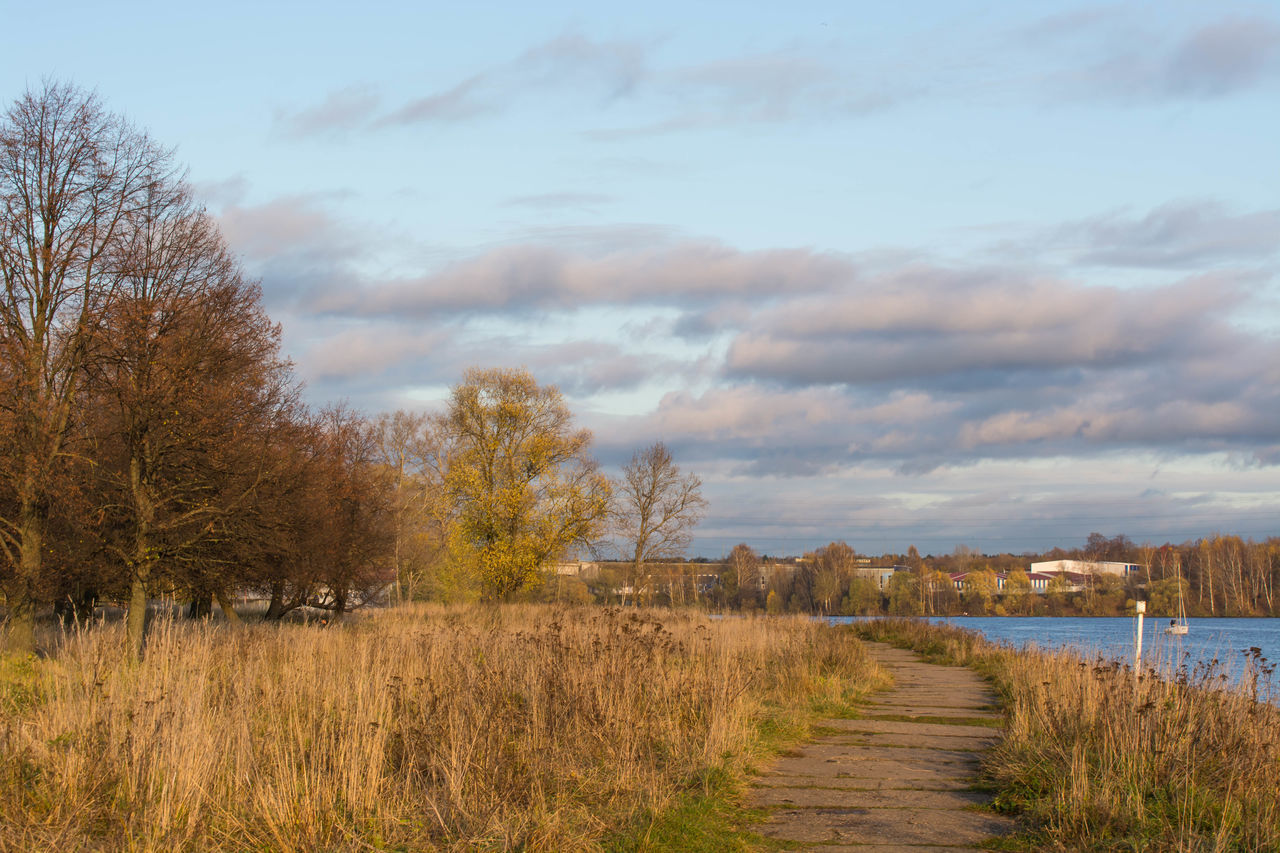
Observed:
{"x":998,"y":276}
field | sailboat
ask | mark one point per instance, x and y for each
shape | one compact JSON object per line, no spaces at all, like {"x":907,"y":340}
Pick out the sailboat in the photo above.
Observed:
{"x":1179,"y":627}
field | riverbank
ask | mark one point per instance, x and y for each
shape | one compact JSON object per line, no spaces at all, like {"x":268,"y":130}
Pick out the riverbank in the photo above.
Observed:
{"x":1096,"y":757}
{"x":424,"y":728}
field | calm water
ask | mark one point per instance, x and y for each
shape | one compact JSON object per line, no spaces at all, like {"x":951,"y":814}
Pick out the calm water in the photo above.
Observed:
{"x":1226,"y":640}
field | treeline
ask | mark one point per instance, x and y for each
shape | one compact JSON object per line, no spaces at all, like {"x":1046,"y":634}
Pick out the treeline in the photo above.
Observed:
{"x":1218,"y":576}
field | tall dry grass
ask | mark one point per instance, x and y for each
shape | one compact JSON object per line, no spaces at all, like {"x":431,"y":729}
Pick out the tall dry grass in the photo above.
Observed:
{"x":431,"y":728}
{"x":1100,"y":757}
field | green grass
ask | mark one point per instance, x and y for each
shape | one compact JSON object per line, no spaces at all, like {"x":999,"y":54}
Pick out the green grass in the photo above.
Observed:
{"x":708,"y":818}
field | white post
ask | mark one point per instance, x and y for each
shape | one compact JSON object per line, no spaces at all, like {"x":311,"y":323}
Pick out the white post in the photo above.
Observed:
{"x":1141,"y":608}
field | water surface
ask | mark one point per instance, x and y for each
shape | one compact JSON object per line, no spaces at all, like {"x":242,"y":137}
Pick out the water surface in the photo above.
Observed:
{"x":1227,"y":641}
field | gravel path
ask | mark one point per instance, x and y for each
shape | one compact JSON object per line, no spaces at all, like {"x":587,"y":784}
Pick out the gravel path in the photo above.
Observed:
{"x":900,"y":777}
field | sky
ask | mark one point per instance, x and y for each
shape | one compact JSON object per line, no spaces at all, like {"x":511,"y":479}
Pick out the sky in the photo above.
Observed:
{"x":998,"y":274}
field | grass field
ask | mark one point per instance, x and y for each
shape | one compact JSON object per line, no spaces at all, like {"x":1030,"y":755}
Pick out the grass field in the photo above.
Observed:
{"x":1098,"y":757}
{"x":515,"y":727}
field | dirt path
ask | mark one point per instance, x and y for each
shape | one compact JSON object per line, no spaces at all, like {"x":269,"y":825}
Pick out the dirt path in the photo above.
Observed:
{"x":899,"y":778}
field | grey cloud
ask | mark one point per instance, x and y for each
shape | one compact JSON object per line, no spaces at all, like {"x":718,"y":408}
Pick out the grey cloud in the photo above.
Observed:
{"x":541,"y":277}
{"x":1137,"y":63}
{"x":611,"y":69}
{"x":295,"y":245}
{"x":341,"y":110}
{"x":1182,"y":235}
{"x":229,"y":191}
{"x":763,"y":88}
{"x":1179,"y":234}
{"x":461,"y":101}
{"x":947,"y":323}
{"x":1224,"y":57}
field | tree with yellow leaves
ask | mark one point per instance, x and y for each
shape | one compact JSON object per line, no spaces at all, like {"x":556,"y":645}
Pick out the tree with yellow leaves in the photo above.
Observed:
{"x":523,"y":487}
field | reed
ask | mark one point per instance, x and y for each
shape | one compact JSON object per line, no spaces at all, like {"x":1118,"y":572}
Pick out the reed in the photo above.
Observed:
{"x":1096,"y":756}
{"x":519,"y":727}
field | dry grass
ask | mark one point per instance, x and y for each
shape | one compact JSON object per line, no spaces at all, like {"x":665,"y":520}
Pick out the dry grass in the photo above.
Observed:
{"x":520,"y":727}
{"x":1098,"y":758}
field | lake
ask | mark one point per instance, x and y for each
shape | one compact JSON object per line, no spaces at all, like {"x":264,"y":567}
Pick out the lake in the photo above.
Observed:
{"x":1226,"y":640}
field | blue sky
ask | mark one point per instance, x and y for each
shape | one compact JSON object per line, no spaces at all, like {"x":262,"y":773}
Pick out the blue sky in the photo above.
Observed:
{"x":999,"y":274}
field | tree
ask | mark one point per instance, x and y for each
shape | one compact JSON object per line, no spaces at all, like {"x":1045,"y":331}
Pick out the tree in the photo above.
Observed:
{"x":1017,"y":592}
{"x":979,"y":591}
{"x":413,"y":450}
{"x":71,"y":176}
{"x":186,"y":383}
{"x":904,"y":594}
{"x":523,"y":486}
{"x":655,"y":509}
{"x":743,"y":567}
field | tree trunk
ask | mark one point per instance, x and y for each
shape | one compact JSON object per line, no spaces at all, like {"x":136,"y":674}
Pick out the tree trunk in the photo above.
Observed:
{"x":228,"y":609}
{"x":21,"y":638}
{"x":136,"y":623}
{"x":143,"y":556}
{"x":201,"y":605}
{"x":275,"y":610}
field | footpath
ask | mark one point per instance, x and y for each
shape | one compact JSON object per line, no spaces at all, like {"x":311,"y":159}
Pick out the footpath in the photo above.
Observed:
{"x":900,"y":778}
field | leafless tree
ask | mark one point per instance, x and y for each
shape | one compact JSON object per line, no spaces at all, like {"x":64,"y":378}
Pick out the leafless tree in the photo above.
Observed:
{"x":412,"y":450}
{"x":656,"y":508}
{"x":71,"y":176}
{"x":743,"y":565}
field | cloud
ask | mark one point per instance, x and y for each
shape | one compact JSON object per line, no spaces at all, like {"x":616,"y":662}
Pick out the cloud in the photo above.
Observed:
{"x":460,"y":101}
{"x":341,"y":110}
{"x":1223,"y":58}
{"x":295,"y":245}
{"x":1133,"y":61}
{"x":1175,"y":235}
{"x":369,"y":352}
{"x":932,"y":324}
{"x":760,"y":89}
{"x":540,"y":277}
{"x":608,"y":70}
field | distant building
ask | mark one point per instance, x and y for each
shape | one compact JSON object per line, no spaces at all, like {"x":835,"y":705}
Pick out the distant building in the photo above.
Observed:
{"x":879,"y":574}
{"x":1085,"y":567}
{"x":585,"y":569}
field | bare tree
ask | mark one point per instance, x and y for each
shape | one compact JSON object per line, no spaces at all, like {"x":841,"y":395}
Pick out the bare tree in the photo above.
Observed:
{"x":656,"y":508}
{"x":70,"y":178}
{"x":412,"y":451}
{"x":743,"y":565}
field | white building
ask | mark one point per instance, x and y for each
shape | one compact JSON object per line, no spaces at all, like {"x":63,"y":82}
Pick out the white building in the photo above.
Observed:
{"x":1085,"y":567}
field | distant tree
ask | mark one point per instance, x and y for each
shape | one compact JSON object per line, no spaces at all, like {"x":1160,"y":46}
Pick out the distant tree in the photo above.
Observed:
{"x":1017,"y":592}
{"x":655,"y":509}
{"x":743,"y":566}
{"x":827,"y":590}
{"x":944,"y":595}
{"x":904,"y":594}
{"x":979,"y":591}
{"x":412,"y":452}
{"x":523,"y":487}
{"x":863,"y":598}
